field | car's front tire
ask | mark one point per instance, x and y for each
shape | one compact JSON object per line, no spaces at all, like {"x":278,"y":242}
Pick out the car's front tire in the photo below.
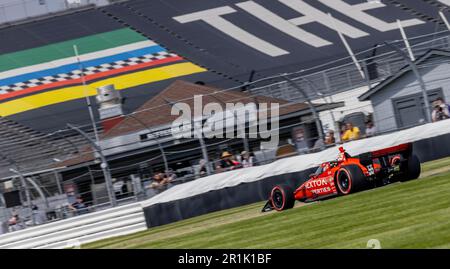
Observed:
{"x":350,"y":179}
{"x":282,"y":197}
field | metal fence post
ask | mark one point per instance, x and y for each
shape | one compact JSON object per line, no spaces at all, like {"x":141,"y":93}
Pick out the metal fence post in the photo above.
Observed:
{"x":321,"y":95}
{"x":24,"y":185}
{"x":58,"y":181}
{"x":104,"y":165}
{"x":200,"y":139}
{"x":22,"y":181}
{"x":204,"y":149}
{"x":161,"y":149}
{"x":3,"y":18}
{"x":311,"y":106}
{"x":367,"y":77}
{"x":25,"y":11}
{"x":335,"y":124}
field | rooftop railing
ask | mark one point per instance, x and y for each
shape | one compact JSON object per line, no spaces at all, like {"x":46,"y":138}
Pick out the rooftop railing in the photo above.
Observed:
{"x":22,"y":10}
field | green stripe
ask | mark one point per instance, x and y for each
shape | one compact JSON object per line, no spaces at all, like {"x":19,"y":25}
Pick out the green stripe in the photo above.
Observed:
{"x":64,"y":49}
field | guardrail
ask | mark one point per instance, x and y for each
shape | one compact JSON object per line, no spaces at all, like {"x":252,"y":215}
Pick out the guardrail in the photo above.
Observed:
{"x":79,"y":230}
{"x":21,"y":10}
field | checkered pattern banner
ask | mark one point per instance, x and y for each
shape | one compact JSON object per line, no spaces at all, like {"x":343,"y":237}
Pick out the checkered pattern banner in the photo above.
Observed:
{"x":76,"y":74}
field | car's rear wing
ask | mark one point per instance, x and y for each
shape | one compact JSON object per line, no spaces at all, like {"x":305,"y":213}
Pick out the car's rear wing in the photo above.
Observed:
{"x":405,"y":149}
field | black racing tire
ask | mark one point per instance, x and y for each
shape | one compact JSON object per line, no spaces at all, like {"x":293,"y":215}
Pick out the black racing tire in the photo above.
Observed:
{"x":411,"y":169}
{"x":282,"y":197}
{"x":350,"y":179}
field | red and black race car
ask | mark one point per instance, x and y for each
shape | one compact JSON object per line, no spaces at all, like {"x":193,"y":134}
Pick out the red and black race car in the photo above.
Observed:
{"x":349,"y":174}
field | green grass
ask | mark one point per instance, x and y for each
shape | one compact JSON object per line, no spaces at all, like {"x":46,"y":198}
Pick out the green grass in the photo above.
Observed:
{"x":415,"y":214}
{"x":437,"y":165}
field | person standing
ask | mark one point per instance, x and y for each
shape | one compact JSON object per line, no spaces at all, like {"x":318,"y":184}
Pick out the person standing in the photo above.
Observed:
{"x":227,"y":162}
{"x":370,"y":129}
{"x":329,"y":138}
{"x":351,"y":133}
{"x":440,"y":110}
{"x":202,"y":168}
{"x":247,"y":159}
{"x":160,"y":181}
{"x":79,"y":206}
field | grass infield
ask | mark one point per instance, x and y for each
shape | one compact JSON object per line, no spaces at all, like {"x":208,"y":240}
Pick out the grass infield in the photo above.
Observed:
{"x":414,"y":214}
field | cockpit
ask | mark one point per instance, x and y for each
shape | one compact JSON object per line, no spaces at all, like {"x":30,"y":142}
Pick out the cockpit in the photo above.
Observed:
{"x":319,"y":171}
{"x":329,"y":165}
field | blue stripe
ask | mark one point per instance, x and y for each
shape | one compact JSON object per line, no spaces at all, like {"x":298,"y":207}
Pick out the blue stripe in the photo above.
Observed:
{"x":71,"y":67}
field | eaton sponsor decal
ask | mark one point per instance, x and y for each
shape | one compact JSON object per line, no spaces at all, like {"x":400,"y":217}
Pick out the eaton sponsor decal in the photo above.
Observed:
{"x":319,"y":183}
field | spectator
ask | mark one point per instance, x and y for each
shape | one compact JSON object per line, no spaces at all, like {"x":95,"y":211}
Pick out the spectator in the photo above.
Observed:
{"x":79,"y":206}
{"x":343,"y":130}
{"x":351,"y":133}
{"x":319,"y":144}
{"x":160,"y":181}
{"x":247,"y":159}
{"x":171,"y":175}
{"x":36,"y":216}
{"x":227,"y":162}
{"x":118,"y":186}
{"x":15,"y":223}
{"x":329,"y":138}
{"x":236,"y":162}
{"x":440,"y":110}
{"x":202,"y":169}
{"x":370,"y":129}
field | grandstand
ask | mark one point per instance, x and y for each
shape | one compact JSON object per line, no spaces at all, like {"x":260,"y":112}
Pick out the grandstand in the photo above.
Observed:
{"x":312,"y":57}
{"x":218,"y":60}
{"x":26,"y":148}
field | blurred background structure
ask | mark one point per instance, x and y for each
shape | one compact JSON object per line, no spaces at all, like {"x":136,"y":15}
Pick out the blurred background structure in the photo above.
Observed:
{"x":134,"y":63}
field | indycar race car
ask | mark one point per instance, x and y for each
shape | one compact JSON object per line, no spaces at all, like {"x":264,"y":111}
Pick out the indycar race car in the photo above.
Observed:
{"x":349,"y":174}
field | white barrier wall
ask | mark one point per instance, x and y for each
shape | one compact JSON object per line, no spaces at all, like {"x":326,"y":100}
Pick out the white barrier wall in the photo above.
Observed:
{"x":298,"y":163}
{"x":79,"y":230}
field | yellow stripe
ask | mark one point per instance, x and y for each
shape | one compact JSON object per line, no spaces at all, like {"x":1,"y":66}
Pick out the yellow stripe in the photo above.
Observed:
{"x":77,"y":92}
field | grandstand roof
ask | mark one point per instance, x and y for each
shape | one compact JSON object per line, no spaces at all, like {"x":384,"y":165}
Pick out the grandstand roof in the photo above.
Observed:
{"x":272,"y":37}
{"x":28,"y":150}
{"x":157,"y":111}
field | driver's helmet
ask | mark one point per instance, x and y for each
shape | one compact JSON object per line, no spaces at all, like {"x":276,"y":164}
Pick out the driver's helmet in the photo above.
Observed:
{"x":342,"y":156}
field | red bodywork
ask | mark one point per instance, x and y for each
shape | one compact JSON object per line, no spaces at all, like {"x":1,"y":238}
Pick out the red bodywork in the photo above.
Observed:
{"x":322,"y":183}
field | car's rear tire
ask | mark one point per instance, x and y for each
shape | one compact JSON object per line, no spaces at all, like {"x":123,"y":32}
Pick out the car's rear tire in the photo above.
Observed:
{"x":282,"y":197}
{"x":350,"y":179}
{"x":411,"y":169}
